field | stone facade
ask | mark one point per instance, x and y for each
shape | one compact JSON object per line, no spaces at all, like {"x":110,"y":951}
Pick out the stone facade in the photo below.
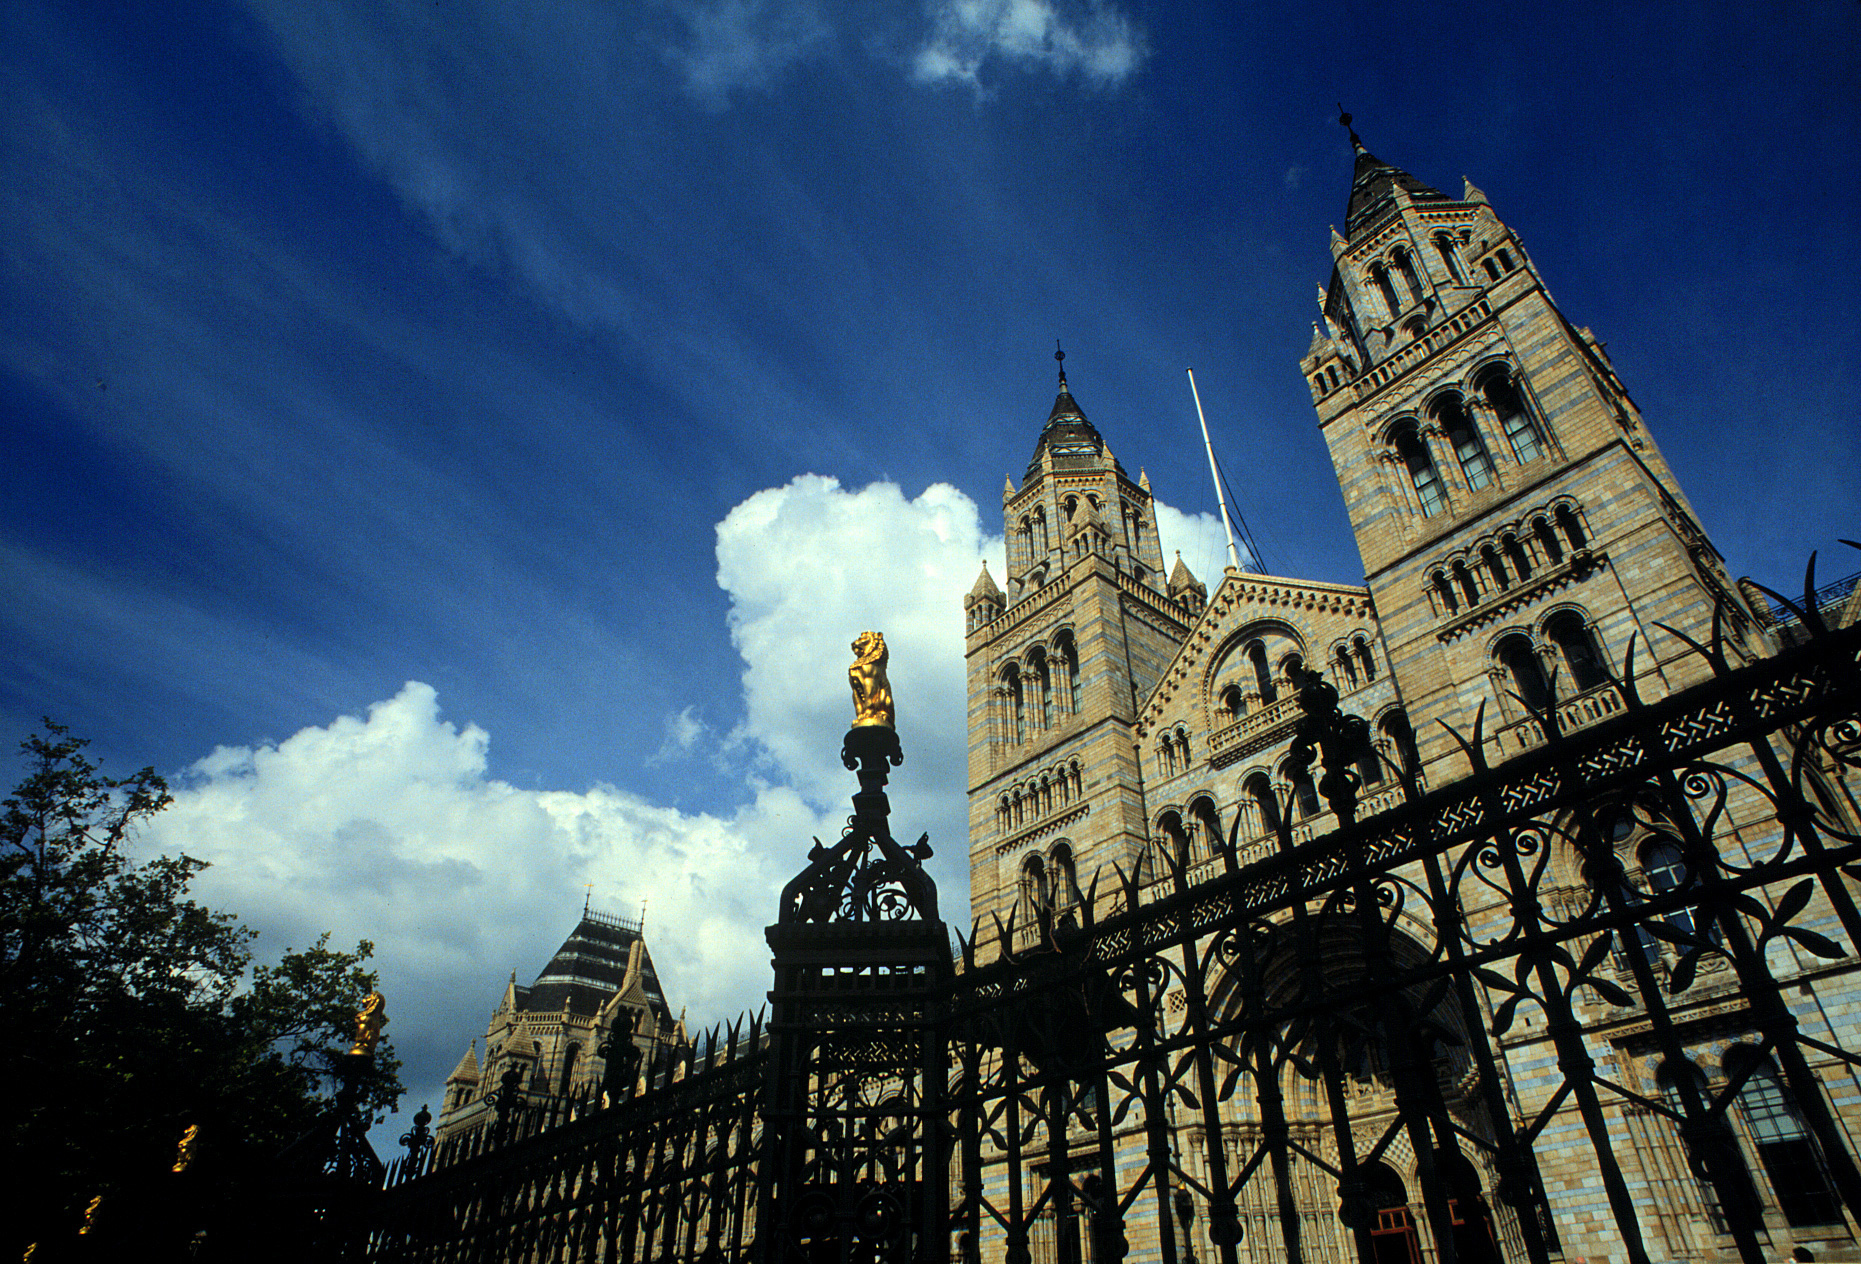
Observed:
{"x":548,"y":1038}
{"x":1525,"y":546}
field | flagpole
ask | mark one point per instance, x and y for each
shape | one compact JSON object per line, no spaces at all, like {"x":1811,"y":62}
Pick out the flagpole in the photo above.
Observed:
{"x":1234,"y":558}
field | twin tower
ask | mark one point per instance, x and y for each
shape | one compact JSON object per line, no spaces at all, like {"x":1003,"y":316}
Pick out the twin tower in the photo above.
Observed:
{"x":1518,"y":528}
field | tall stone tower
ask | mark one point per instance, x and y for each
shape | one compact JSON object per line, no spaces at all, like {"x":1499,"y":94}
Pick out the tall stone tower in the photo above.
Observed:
{"x":1517,"y":523}
{"x":1058,"y":667}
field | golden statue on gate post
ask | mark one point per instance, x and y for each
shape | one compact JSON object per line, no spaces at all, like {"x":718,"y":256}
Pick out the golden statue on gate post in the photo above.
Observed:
{"x":369,"y":1021}
{"x":872,"y":690}
{"x":184,"y":1149}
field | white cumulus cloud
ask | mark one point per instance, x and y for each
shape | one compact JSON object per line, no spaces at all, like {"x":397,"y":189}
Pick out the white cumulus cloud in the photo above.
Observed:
{"x":1094,"y":39}
{"x":390,"y":826}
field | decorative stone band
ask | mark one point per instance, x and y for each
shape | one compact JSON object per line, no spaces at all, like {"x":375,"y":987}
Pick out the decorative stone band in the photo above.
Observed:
{"x":1041,"y":828}
{"x":1577,"y":566}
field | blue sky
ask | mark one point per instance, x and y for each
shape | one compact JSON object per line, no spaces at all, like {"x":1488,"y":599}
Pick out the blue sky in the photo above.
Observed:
{"x":457,"y":441}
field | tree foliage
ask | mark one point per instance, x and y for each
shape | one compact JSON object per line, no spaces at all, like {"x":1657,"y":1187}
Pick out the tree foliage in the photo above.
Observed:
{"x":130,"y":1012}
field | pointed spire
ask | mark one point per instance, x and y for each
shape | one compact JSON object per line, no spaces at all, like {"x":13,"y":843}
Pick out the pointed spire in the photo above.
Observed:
{"x":1469,"y":193}
{"x":468,"y":1065}
{"x":1143,"y":478}
{"x":1320,"y":340}
{"x":985,"y":588}
{"x":1063,"y":404}
{"x":1374,"y":185}
{"x":1008,"y":486}
{"x":1184,"y":587}
{"x":1067,"y":432}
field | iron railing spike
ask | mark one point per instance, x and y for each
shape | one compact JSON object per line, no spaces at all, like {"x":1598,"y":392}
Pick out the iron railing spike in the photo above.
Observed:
{"x":1631,"y":695}
{"x":1475,"y":755}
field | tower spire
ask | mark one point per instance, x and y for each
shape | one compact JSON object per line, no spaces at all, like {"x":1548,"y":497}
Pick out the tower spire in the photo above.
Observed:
{"x":1344,"y":121}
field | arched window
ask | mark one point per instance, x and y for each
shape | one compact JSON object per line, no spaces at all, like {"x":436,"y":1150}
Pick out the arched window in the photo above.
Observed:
{"x":1318,"y":383}
{"x":1547,"y":540}
{"x":1396,"y":728}
{"x":1174,"y":839}
{"x":1046,"y":793}
{"x":1266,"y":806}
{"x":1304,"y":793}
{"x":1406,"y":266}
{"x":1369,"y":763}
{"x":1496,"y":568}
{"x":1034,"y":892}
{"x":1468,"y":589}
{"x":568,"y":1070}
{"x":1043,"y":681}
{"x":1380,"y":275}
{"x":1290,"y":666}
{"x":1465,"y":438}
{"x":1444,"y":245}
{"x":1333,"y":374}
{"x":1575,"y":644}
{"x":1414,"y":327}
{"x":1446,"y":591}
{"x":1063,"y":880}
{"x":1040,"y":529}
{"x":1347,"y":667}
{"x":1515,"y":553}
{"x":1422,"y":474}
{"x":1069,"y":656}
{"x":1505,"y":261}
{"x":1208,"y":827}
{"x":1017,"y":705}
{"x":1182,"y":747}
{"x":1492,"y":269}
{"x":1004,"y":815}
{"x":1524,"y":673}
{"x":1263,"y":677}
{"x":1785,"y":1147}
{"x":1365,"y":658}
{"x":1520,"y":430}
{"x":1166,"y":756}
{"x":1233,"y":702}
{"x":1568,"y":524}
{"x":1025,"y":537}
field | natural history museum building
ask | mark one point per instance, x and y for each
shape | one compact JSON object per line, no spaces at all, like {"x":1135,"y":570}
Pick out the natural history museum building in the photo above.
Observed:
{"x":1498,"y":908}
{"x":1520,"y":532}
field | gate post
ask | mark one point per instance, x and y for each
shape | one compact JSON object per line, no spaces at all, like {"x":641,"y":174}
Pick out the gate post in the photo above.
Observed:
{"x":855,"y":1155}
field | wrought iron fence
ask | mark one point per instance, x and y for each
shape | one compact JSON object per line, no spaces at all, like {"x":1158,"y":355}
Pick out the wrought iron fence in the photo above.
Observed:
{"x":1473,"y":1026}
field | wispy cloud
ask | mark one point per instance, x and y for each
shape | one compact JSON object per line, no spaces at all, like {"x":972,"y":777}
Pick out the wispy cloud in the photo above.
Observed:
{"x":734,"y":45}
{"x":1094,"y":40}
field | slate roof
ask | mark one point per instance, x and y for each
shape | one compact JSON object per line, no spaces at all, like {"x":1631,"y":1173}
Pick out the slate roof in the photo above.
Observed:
{"x":1373,"y":182}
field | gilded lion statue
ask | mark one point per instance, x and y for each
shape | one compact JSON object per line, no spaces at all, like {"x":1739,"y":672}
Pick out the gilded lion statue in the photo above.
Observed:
{"x":369,"y":1021}
{"x":872,"y":691}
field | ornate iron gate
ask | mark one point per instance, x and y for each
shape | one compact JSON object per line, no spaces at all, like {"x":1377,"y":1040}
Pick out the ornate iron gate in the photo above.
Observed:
{"x":1235,"y":1068}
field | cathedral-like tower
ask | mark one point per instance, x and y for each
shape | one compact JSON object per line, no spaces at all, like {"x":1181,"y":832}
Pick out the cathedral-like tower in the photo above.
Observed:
{"x":1518,"y":526}
{"x":1058,"y":666}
